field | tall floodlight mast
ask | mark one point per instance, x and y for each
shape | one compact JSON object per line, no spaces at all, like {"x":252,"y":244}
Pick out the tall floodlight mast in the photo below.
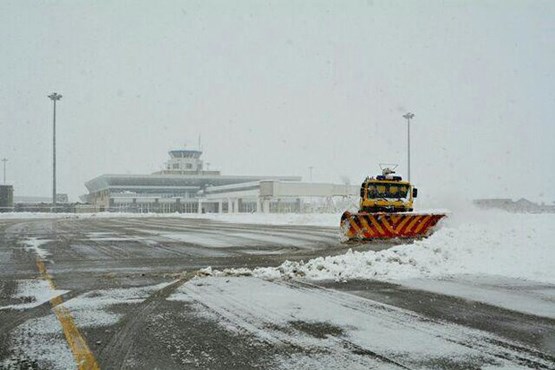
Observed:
{"x":54,"y":97}
{"x":408,"y":117}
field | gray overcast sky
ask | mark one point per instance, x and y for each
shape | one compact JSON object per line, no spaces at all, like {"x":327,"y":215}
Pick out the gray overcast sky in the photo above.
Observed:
{"x":274,"y":87}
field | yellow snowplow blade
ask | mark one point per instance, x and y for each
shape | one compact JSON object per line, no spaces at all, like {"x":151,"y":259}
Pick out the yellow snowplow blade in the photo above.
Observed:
{"x":381,"y":225}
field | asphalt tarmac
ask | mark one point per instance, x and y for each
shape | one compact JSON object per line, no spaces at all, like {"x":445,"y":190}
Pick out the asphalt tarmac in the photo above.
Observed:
{"x":122,"y":293}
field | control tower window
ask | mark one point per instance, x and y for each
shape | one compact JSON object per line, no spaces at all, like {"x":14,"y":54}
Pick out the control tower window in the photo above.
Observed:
{"x":175,"y":166}
{"x":189,"y":166}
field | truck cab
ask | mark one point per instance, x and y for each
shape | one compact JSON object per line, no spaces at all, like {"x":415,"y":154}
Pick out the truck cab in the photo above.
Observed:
{"x":387,"y":193}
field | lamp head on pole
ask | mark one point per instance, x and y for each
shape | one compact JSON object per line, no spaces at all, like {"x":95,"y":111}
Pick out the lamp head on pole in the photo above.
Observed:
{"x":55,"y":96}
{"x":408,"y":116}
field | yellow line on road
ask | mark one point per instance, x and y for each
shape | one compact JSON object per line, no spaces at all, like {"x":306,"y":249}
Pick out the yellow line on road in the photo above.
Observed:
{"x":78,"y":345}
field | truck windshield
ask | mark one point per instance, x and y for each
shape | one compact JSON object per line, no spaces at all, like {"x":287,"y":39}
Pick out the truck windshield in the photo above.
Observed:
{"x":388,"y":191}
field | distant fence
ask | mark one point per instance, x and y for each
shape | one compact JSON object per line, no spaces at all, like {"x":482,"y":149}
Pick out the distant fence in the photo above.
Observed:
{"x":276,"y":206}
{"x":39,"y":208}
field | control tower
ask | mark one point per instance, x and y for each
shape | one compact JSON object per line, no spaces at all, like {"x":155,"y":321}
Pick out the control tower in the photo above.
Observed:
{"x":185,"y":162}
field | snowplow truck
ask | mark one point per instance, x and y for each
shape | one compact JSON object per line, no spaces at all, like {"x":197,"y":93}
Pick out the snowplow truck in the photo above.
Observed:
{"x":386,"y":211}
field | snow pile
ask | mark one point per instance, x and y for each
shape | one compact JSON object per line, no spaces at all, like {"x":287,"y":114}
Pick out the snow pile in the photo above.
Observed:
{"x":492,"y":243}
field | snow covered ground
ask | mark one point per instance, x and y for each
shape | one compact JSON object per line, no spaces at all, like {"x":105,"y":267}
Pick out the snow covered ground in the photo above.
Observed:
{"x":470,"y":244}
{"x":34,"y":245}
{"x":31,"y":293}
{"x":519,"y":246}
{"x":503,"y":259}
{"x":470,"y":241}
{"x":336,"y":330}
{"x":498,"y":258}
{"x":316,"y":219}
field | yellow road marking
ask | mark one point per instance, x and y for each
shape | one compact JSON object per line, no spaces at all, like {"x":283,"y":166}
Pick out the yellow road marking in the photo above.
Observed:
{"x":78,"y":345}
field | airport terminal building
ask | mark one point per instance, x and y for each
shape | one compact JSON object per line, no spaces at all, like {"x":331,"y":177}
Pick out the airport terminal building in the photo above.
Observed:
{"x":185,"y":186}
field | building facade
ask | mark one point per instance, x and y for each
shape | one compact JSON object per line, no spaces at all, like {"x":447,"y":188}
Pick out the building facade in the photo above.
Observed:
{"x":185,"y":186}
{"x":177,"y":188}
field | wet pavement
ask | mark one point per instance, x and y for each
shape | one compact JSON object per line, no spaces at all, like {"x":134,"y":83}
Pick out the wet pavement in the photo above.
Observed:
{"x":123,"y":293}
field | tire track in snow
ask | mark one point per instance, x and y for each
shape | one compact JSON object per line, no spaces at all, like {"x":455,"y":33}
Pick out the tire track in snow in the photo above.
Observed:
{"x":400,"y":336}
{"x":114,"y":353}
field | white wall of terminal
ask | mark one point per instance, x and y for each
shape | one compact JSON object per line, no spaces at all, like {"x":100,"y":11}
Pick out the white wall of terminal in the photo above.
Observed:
{"x":267,"y":191}
{"x":257,"y":196}
{"x":300,"y":189}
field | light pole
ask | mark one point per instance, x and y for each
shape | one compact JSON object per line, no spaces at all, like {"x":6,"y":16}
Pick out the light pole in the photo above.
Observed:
{"x":54,"y":97}
{"x":4,"y":160}
{"x":408,"y":116}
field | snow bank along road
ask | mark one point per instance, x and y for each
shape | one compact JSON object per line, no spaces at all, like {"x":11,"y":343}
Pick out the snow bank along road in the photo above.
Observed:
{"x":122,"y":293}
